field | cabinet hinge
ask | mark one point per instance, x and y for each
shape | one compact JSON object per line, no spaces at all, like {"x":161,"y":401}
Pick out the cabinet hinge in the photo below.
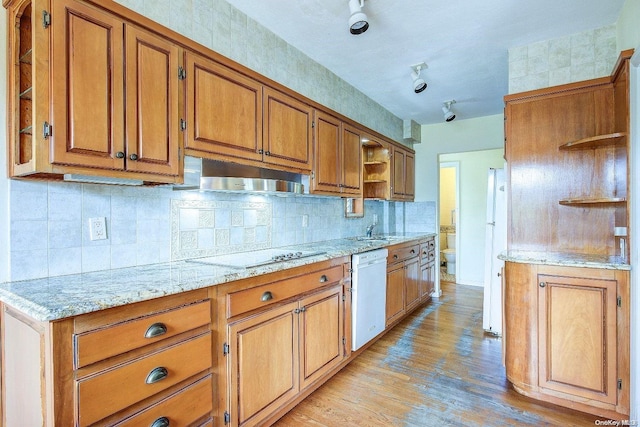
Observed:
{"x":183,"y":124}
{"x":227,"y":418}
{"x":313,"y":124}
{"x":47,"y":130}
{"x":619,"y":384}
{"x":619,"y":301}
{"x":225,"y":349}
{"x":46,"y":19}
{"x":312,"y":175}
{"x":344,"y":297}
{"x":344,"y":340}
{"x":182,"y":73}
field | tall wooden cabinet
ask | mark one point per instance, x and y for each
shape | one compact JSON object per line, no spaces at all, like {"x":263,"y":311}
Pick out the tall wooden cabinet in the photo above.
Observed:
{"x":566,"y":327}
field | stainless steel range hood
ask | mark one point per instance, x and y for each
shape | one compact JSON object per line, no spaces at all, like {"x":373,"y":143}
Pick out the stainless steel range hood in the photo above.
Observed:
{"x":214,"y":175}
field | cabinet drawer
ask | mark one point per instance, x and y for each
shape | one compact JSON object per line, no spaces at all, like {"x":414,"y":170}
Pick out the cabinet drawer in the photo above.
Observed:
{"x":181,"y":409}
{"x":103,"y":343}
{"x":262,"y":296}
{"x":403,"y":252}
{"x":428,"y":251}
{"x":113,"y":390}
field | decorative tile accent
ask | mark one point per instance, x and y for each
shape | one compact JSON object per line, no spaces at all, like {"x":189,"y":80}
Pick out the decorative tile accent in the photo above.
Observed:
{"x":200,"y":228}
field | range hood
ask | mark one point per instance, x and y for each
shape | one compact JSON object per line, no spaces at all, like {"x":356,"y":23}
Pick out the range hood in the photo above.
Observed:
{"x":214,"y":175}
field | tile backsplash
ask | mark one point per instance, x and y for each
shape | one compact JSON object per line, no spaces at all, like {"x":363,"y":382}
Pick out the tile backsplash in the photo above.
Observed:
{"x":49,"y":230}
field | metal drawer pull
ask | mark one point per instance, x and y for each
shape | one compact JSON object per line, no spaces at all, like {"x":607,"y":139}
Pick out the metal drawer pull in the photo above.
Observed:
{"x":156,"y":330}
{"x":266,"y":296}
{"x":542,"y":284}
{"x":157,"y":374}
{"x":323,"y":278}
{"x":161,"y":422}
{"x":413,"y":251}
{"x":395,"y":257}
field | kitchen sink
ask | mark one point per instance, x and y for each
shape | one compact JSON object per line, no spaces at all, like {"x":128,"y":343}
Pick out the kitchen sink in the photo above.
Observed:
{"x":375,"y":238}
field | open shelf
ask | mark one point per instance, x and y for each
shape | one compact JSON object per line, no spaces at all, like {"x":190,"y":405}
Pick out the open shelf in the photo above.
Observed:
{"x":375,"y":163}
{"x":594,"y":141}
{"x":588,"y":201}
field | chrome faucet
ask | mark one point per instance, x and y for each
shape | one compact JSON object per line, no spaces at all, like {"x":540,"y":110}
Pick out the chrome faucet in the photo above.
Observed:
{"x":370,"y":229}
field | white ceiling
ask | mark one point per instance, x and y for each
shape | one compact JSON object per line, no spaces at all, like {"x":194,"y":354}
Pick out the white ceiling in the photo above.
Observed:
{"x":464,"y":43}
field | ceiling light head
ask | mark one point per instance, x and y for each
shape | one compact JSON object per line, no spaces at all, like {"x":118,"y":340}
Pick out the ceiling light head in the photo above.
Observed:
{"x":419,"y":85}
{"x":358,"y":22}
{"x":446,"y":109}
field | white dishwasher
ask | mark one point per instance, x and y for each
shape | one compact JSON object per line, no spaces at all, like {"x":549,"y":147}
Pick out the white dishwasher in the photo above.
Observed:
{"x":369,"y":296}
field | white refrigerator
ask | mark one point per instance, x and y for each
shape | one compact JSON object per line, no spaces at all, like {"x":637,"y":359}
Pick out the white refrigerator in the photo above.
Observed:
{"x":495,"y":242}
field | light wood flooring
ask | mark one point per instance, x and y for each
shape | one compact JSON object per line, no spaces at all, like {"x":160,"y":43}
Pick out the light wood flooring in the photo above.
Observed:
{"x":436,"y":368}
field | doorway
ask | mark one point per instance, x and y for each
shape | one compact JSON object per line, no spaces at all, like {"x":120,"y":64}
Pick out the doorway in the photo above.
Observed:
{"x":449,"y":201}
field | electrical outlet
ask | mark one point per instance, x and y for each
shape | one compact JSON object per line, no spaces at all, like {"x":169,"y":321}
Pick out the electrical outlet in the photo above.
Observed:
{"x":375,"y":218}
{"x":305,"y":220}
{"x":97,"y":228}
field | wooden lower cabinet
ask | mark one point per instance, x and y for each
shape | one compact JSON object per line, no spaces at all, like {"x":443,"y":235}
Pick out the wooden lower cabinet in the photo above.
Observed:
{"x":567,"y":336}
{"x":403,"y":281}
{"x":129,"y":365}
{"x":276,"y":354}
{"x":427,"y":268}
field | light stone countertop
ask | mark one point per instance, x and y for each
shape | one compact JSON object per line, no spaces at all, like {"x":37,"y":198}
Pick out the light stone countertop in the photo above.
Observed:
{"x":59,"y":297}
{"x":566,"y":259}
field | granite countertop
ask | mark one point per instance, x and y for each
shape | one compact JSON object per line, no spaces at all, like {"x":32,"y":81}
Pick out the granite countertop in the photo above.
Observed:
{"x":55,"y":298}
{"x":566,"y":259}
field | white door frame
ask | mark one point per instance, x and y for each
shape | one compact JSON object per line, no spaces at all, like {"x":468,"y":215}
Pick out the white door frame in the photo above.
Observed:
{"x":634,"y":160}
{"x":456,"y":166}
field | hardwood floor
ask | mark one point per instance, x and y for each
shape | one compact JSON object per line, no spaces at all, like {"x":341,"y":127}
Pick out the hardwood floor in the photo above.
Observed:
{"x":437,"y":367}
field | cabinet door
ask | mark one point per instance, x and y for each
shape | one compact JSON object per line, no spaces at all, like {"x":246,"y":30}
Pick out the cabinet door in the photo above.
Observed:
{"x":351,"y":168}
{"x":410,"y":176}
{"x":395,"y":292}
{"x":577,"y":336}
{"x":224,"y":110}
{"x":264,"y":371}
{"x":398,"y":174}
{"x":412,"y":282}
{"x":321,"y":334}
{"x":427,"y":280}
{"x":152,"y":117}
{"x":287,"y":131}
{"x":327,"y":159}
{"x":87,"y":85}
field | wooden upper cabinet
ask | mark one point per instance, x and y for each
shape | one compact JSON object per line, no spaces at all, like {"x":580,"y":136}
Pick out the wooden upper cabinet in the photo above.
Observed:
{"x":337,"y":157}
{"x":88,"y":86}
{"x":224,"y":110}
{"x":351,"y":166}
{"x":403,"y":174}
{"x":287,"y":131}
{"x":327,"y":154}
{"x":152,"y":115}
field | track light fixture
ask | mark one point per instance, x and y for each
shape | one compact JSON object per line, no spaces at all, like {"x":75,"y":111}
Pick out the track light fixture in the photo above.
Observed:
{"x":419,"y":85}
{"x":358,"y":23}
{"x":446,"y":109}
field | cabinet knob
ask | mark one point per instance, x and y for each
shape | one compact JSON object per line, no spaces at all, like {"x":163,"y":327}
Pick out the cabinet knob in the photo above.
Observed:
{"x":161,"y":422}
{"x":133,"y":156}
{"x":267,"y":153}
{"x":542,"y":284}
{"x":413,"y":251}
{"x":323,"y":278}
{"x":260,"y":151}
{"x":157,"y":374}
{"x":395,"y":257}
{"x":266,"y":296}
{"x":120,"y":155}
{"x":303,"y":309}
{"x":156,"y":330}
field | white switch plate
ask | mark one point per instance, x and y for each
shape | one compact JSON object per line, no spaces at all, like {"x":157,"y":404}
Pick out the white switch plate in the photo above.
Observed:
{"x":305,"y":220}
{"x":375,"y":218}
{"x":97,"y":228}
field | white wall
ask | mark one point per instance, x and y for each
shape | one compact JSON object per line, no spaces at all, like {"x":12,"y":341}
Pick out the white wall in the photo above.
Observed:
{"x":627,"y":28}
{"x":481,"y":133}
{"x":472,"y":217}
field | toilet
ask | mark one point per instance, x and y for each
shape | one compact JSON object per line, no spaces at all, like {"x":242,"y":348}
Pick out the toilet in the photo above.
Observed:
{"x":449,"y":254}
